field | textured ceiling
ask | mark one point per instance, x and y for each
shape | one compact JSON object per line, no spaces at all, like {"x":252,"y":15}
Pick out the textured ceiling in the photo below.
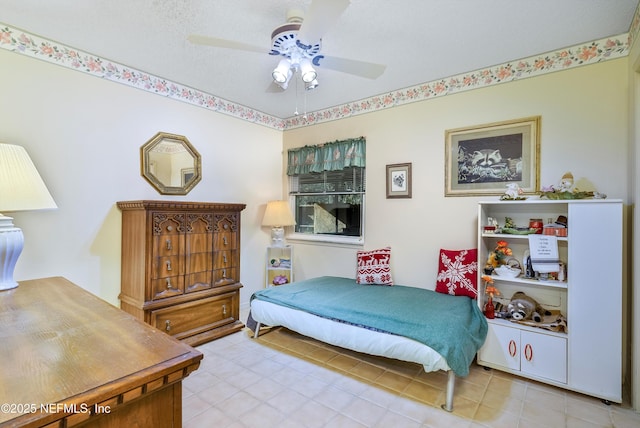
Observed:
{"x":418,"y":40}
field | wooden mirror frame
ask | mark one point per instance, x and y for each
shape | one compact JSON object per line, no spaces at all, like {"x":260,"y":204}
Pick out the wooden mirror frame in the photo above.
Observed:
{"x":170,"y":164}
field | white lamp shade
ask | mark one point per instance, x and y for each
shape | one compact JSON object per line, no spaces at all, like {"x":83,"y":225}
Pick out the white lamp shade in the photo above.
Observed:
{"x":278,"y":214}
{"x":21,"y":188}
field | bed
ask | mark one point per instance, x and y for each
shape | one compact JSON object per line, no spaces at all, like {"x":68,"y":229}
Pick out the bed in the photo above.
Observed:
{"x":438,"y":331}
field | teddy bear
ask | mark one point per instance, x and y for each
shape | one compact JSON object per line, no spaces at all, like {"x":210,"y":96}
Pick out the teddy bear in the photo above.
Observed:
{"x":523,"y":307}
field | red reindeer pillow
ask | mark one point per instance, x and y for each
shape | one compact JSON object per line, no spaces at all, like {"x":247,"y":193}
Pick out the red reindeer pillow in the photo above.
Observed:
{"x":374,"y":267}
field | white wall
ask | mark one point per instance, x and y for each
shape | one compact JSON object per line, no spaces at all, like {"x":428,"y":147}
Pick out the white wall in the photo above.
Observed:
{"x":633,"y":291}
{"x":584,"y":130}
{"x":84,"y":136}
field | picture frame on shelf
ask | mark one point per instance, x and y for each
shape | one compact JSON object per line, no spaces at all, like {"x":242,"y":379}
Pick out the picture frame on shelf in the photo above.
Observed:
{"x":399,"y":180}
{"x":481,"y":160}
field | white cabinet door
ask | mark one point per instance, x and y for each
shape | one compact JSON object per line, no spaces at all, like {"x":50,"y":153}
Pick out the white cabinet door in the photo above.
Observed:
{"x":502,"y":347}
{"x":544,"y":356}
{"x":533,"y":354}
{"x":595,"y":299}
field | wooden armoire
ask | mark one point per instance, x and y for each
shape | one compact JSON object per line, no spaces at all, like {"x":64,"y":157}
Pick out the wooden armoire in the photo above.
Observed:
{"x":181,"y":267}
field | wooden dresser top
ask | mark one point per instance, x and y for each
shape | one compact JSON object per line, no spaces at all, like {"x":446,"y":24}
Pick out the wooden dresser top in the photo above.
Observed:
{"x":60,"y":342}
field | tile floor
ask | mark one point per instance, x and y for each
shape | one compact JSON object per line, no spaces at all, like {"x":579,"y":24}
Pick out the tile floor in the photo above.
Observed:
{"x":286,"y":380}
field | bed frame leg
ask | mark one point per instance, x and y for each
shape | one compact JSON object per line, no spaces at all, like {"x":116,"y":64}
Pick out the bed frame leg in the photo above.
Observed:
{"x":451,"y":382}
{"x":255,"y":333}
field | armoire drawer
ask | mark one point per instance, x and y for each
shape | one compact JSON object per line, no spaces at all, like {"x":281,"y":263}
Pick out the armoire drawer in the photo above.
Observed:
{"x":191,"y":318}
{"x":170,"y":286}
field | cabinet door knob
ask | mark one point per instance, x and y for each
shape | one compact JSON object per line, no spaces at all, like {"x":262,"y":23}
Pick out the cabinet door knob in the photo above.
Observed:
{"x":224,"y":240}
{"x":169,"y":244}
{"x":167,"y":325}
{"x":512,"y":348}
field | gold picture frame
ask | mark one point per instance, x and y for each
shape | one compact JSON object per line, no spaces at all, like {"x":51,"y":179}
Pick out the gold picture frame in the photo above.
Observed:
{"x":482,"y":160}
{"x":399,"y":180}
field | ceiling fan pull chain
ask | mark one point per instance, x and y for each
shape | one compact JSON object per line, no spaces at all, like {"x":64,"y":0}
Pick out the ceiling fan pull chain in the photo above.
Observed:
{"x":295,"y":113}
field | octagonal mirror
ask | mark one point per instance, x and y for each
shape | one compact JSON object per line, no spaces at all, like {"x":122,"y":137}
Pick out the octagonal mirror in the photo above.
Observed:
{"x":170,"y":164}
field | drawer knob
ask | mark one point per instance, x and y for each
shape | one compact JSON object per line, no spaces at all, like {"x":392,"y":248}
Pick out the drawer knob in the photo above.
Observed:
{"x":224,"y":310}
{"x":224,"y":240}
{"x":169,"y":247}
{"x":224,"y":258}
{"x":169,"y":283}
{"x":168,"y":264}
{"x":167,"y":325}
{"x":224,"y":273}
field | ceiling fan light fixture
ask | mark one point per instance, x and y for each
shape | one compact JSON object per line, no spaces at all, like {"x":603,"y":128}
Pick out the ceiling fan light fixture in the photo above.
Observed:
{"x":306,"y":71}
{"x":283,"y":85}
{"x":282,"y":73}
{"x":311,"y":85}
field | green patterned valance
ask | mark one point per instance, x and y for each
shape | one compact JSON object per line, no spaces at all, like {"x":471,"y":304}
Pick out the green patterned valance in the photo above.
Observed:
{"x":333,"y":156}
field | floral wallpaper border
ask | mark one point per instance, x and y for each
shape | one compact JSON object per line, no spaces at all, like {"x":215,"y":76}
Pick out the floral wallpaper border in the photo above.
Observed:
{"x":593,"y":52}
{"x":31,"y":45}
{"x":21,"y":42}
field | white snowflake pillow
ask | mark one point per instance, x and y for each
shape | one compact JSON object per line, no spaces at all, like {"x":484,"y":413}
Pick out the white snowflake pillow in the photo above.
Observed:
{"x":458,"y":273}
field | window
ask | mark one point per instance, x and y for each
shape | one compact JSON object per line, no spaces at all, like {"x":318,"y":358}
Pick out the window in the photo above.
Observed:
{"x":328,"y":195}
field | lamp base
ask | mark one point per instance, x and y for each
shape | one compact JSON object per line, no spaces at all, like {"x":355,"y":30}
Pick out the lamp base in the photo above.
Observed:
{"x":277,"y":236}
{"x":11,"y":244}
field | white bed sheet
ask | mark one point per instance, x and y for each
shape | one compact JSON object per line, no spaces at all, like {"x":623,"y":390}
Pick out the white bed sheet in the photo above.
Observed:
{"x":348,"y":336}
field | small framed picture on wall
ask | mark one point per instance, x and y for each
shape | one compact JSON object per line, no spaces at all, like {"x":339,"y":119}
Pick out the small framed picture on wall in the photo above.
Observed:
{"x":399,"y":180}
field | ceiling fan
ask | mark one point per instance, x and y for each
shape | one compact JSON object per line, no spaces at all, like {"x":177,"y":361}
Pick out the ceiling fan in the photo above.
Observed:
{"x":299,"y":44}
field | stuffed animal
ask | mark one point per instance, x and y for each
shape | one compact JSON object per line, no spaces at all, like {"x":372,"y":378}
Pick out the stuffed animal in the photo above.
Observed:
{"x":523,"y":307}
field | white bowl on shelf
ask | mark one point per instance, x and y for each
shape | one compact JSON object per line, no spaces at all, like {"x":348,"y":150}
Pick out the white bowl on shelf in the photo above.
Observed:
{"x":507,"y":272}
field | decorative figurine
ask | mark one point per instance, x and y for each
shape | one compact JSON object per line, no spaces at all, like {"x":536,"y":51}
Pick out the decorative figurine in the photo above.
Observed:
{"x":566,"y":190}
{"x":513,"y":193}
{"x":566,"y":183}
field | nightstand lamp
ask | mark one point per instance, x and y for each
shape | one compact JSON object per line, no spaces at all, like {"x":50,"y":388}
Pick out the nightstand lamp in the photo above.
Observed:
{"x":21,"y":189}
{"x":278,"y":215}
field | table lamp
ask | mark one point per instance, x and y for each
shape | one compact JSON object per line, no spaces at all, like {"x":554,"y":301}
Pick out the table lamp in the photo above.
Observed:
{"x":21,"y":189}
{"x":277,"y":215}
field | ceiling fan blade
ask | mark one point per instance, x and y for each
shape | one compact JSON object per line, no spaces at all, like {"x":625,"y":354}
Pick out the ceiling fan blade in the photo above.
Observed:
{"x":321,"y":15}
{"x":369,"y":70}
{"x":222,"y":43}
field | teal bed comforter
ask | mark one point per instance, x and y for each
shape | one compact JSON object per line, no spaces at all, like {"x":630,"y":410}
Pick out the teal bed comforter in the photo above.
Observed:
{"x":453,"y":326}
